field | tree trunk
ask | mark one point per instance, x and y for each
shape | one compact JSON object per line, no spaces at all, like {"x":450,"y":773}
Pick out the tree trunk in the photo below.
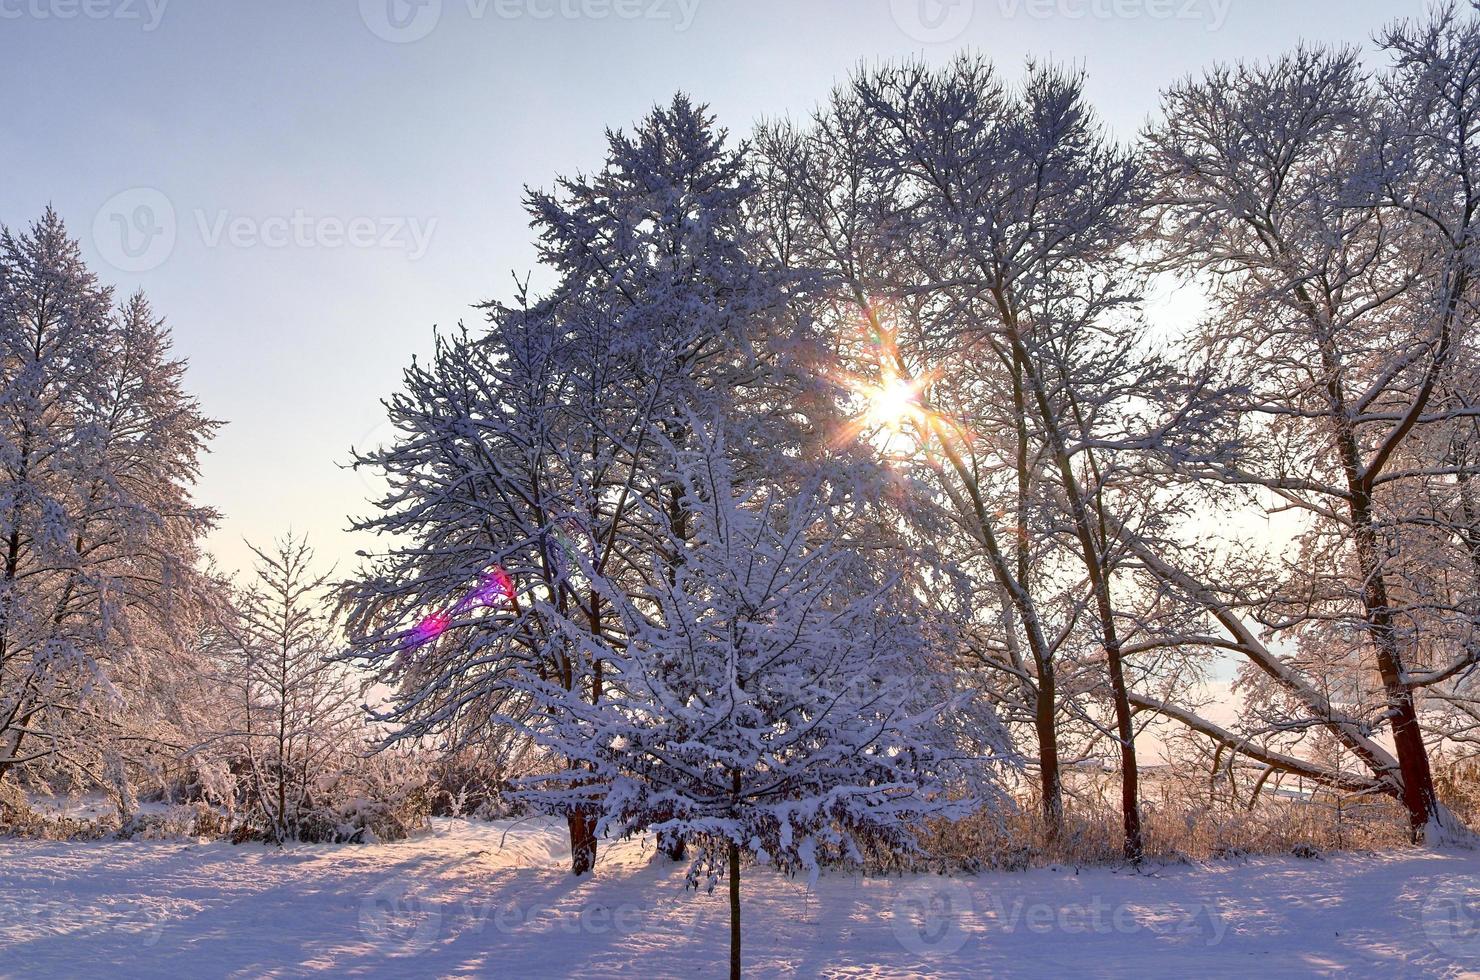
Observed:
{"x":1361,"y":477}
{"x":1048,"y":752}
{"x":678,"y":521}
{"x":1419,"y":798}
{"x":1091,"y":534}
{"x":1022,"y":603}
{"x":673,"y":846}
{"x":1098,"y":575}
{"x":734,"y":911}
{"x":1044,"y":706}
{"x":582,"y":841}
{"x":1130,"y":804}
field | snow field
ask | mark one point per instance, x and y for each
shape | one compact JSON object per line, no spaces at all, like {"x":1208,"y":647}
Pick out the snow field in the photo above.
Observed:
{"x":474,"y":899}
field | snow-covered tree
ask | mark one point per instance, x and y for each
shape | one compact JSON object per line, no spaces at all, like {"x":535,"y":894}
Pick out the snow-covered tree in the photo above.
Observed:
{"x":529,"y":450}
{"x":771,"y":695}
{"x":496,"y":478}
{"x":1334,"y":215}
{"x":297,"y":723}
{"x":100,"y":580}
{"x":981,"y":234}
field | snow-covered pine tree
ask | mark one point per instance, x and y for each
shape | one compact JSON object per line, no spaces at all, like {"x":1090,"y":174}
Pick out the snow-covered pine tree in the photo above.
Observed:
{"x":661,"y":271}
{"x":771,"y":696}
{"x":532,"y":450}
{"x":660,"y":278}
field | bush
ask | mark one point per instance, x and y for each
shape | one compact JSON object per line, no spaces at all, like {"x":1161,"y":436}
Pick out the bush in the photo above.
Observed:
{"x":464,"y":784}
{"x":19,"y":819}
{"x":181,"y":821}
{"x":379,"y":797}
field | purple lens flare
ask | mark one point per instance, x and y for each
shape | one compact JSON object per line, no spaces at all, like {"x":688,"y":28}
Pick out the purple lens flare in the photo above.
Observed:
{"x":493,"y":585}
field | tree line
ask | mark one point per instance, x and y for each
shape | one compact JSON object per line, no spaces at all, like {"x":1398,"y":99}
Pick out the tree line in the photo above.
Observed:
{"x":915,"y":323}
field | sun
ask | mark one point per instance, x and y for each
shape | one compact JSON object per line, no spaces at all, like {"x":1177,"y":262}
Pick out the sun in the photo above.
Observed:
{"x":891,"y":398}
{"x":892,"y":402}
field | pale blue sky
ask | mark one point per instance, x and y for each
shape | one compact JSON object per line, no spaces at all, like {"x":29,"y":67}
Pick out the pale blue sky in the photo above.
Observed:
{"x":335,"y":193}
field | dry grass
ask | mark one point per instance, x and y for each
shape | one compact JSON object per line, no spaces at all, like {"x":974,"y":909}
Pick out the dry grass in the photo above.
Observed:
{"x":1191,"y":831}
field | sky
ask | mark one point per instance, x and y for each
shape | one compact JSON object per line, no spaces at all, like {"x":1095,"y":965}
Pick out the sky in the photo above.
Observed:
{"x":306,"y":188}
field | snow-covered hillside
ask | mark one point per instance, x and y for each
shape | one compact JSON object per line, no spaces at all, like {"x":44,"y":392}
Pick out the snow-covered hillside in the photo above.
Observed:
{"x":476,"y":899}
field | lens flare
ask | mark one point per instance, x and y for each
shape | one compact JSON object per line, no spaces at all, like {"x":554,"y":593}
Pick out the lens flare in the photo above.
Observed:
{"x":493,"y":585}
{"x":431,"y":626}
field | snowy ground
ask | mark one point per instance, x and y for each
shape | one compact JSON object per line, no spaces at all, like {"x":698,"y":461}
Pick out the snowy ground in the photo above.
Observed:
{"x":493,"y":900}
